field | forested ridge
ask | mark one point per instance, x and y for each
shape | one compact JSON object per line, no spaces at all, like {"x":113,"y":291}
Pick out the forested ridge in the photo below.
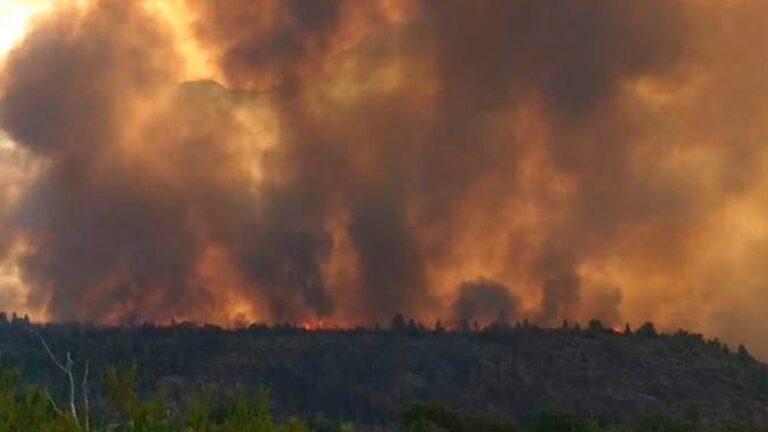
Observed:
{"x":506,"y":377}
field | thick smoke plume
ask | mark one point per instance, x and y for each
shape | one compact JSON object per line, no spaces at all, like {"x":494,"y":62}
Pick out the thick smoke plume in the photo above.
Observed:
{"x":484,"y":301}
{"x":346,"y":160}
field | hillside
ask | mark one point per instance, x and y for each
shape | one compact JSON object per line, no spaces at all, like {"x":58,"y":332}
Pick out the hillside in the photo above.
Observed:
{"x":370,"y":376}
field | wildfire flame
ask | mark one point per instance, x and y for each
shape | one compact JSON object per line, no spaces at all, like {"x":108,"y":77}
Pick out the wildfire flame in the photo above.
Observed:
{"x":338,"y":162}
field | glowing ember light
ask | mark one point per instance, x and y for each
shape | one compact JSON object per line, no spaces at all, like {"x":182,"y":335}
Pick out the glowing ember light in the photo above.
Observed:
{"x":5,"y":142}
{"x":15,"y":16}
{"x":179,"y":19}
{"x":319,"y":324}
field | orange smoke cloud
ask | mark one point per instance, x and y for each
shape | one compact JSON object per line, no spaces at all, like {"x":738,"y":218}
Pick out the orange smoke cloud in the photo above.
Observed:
{"x":338,"y":161}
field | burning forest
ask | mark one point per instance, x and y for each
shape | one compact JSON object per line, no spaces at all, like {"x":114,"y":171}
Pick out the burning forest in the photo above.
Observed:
{"x":341,"y":161}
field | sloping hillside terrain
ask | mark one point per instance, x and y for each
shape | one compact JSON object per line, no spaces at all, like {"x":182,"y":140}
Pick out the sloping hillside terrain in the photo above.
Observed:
{"x":370,"y":376}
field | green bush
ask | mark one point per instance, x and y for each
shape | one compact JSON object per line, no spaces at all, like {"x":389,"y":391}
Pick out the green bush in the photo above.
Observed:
{"x":33,"y":410}
{"x":435,"y":417}
{"x":29,"y":411}
{"x":553,"y":421}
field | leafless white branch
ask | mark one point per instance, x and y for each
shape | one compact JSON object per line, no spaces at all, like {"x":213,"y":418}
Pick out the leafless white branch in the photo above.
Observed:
{"x":67,"y":369}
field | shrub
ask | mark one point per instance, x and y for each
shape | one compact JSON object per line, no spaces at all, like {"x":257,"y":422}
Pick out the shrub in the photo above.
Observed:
{"x":553,"y":421}
{"x":647,"y":329}
{"x":436,"y":417}
{"x":596,"y":325}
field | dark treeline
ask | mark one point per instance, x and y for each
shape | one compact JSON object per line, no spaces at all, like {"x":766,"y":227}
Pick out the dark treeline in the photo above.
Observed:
{"x":507,"y":373}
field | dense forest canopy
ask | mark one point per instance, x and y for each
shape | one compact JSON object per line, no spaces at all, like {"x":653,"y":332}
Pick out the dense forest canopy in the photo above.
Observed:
{"x":505,"y":374}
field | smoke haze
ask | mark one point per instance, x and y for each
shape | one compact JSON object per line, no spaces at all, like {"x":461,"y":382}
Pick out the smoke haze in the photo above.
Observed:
{"x":346,"y":160}
{"x":484,"y":301}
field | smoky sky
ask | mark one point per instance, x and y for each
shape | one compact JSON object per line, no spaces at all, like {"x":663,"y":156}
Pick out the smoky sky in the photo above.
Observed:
{"x":349,"y":160}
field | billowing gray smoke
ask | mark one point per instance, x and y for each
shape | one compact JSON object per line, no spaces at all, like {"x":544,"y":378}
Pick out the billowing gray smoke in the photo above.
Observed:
{"x":121,"y":217}
{"x":350,"y":160}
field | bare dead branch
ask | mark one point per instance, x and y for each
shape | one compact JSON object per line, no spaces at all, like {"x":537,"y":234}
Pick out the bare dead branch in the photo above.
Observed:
{"x":53,"y":403}
{"x":70,"y":375}
{"x":67,"y":369}
{"x":86,"y":401}
{"x":50,"y":353}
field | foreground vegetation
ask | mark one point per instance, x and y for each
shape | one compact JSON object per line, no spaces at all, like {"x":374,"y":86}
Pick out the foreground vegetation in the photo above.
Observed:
{"x":32,"y":409}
